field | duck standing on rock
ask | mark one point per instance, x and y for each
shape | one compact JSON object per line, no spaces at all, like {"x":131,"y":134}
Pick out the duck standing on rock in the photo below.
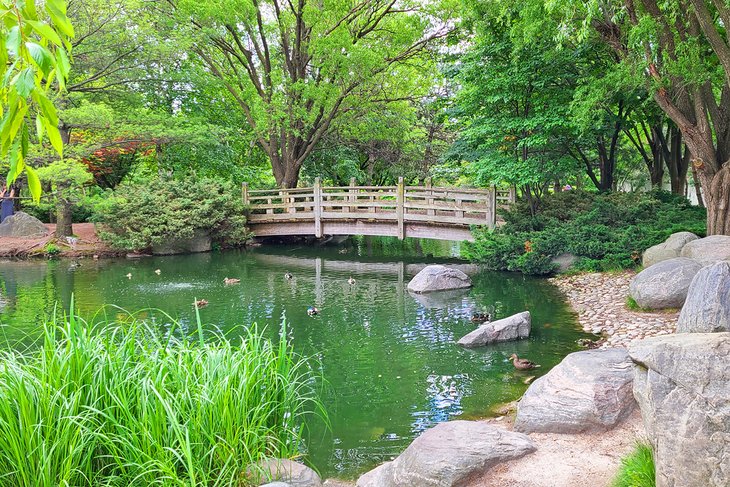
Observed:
{"x":481,"y":318}
{"x":522,"y":363}
{"x":312,"y":311}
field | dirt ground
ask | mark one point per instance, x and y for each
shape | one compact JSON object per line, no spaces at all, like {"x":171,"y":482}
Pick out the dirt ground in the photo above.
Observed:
{"x":87,"y":245}
{"x":582,"y":460}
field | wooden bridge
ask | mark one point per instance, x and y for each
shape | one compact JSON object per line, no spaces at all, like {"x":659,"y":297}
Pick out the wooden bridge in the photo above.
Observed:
{"x":400,"y":211}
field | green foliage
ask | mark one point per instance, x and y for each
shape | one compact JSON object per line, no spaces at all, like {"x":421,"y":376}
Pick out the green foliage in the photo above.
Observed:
{"x":121,"y":403}
{"x":605,"y":231}
{"x":51,"y":250}
{"x":138,"y":216}
{"x":68,"y":173}
{"x":637,"y":469}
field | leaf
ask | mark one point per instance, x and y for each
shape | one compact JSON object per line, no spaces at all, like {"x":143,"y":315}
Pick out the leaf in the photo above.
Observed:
{"x":34,"y":184}
{"x":25,"y":82}
{"x":57,"y":11}
{"x":46,"y":32}
{"x":12,"y":41}
{"x":43,"y":59}
{"x":54,"y":135}
{"x":39,"y":128}
{"x":64,"y":66}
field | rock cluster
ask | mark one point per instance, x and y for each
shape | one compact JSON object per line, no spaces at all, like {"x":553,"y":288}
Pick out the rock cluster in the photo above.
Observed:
{"x":23,"y":225}
{"x":671,"y":248}
{"x":665,"y":284}
{"x":708,"y":250}
{"x":438,"y":278}
{"x":507,"y":329}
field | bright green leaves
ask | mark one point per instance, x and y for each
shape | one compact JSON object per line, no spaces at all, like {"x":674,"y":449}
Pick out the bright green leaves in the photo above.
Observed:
{"x":33,"y":64}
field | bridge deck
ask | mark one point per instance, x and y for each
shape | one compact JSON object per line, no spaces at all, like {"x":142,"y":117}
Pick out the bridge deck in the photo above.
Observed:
{"x":400,"y":211}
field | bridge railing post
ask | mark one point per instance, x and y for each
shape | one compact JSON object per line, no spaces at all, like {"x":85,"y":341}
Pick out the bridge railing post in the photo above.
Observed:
{"x":428,"y":183}
{"x":400,"y":197}
{"x":244,"y":193}
{"x":492,"y":207}
{"x":512,"y":193}
{"x":352,"y":195}
{"x":317,"y":208}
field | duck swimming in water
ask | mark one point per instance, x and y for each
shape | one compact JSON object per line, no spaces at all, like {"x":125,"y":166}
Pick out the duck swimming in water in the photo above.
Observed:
{"x":312,"y":311}
{"x":288,"y":276}
{"x":158,"y":271}
{"x":129,"y":275}
{"x":522,"y":363}
{"x":231,"y":280}
{"x":351,"y":281}
{"x":200,"y":303}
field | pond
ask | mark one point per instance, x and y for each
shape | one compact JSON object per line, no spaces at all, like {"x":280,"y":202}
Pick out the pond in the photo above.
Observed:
{"x":389,"y":357}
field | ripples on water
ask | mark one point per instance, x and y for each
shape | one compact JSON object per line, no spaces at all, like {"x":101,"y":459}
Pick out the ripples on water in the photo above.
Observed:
{"x":389,"y":357}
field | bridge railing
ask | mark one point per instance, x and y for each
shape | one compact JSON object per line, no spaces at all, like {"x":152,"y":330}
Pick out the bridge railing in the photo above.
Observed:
{"x":400,"y":204}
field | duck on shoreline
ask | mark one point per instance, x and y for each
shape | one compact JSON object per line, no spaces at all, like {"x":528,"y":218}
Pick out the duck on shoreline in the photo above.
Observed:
{"x":522,"y":363}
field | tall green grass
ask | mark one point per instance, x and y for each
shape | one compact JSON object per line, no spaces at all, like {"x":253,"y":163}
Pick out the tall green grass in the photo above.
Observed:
{"x":120,"y":404}
{"x":637,"y":469}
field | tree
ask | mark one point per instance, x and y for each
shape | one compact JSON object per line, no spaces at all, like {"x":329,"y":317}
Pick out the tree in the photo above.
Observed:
{"x":66,"y":179}
{"x":33,"y":63}
{"x":293,"y":68}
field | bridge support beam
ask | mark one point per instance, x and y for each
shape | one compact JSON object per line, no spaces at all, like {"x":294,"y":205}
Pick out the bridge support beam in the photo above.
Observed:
{"x":318,"y":208}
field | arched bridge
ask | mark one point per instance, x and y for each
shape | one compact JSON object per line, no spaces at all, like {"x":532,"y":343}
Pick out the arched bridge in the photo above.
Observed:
{"x":401,"y":211}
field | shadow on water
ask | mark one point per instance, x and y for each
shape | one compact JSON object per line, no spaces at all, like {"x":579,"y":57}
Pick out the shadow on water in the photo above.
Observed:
{"x":389,"y":357}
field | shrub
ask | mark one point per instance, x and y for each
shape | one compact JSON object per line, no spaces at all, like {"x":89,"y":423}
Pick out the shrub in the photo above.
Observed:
{"x":123,"y":404}
{"x":605,"y":231}
{"x":138,"y":216}
{"x":637,"y":469}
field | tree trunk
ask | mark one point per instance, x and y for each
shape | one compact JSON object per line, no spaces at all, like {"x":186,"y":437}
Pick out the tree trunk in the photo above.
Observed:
{"x":64,"y":226}
{"x":698,"y":187}
{"x":717,"y":200}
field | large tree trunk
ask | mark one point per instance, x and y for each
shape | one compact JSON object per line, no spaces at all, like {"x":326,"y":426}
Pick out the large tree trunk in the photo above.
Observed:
{"x":717,"y":199}
{"x":64,"y":220}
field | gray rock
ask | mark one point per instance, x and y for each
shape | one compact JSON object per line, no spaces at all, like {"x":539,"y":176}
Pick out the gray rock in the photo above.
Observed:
{"x":508,"y":329}
{"x":708,"y":250}
{"x":438,"y":278}
{"x":707,"y":308}
{"x":682,"y":386}
{"x":587,"y":391}
{"x":288,"y":472}
{"x":564,"y":261}
{"x":448,"y":455}
{"x":276,"y":484}
{"x":200,"y":242}
{"x":665,"y":284}
{"x":669,"y":249}
{"x":23,"y":225}
{"x":337,"y":483}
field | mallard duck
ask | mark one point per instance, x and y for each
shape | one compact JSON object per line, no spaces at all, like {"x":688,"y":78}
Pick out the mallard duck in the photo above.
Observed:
{"x":481,"y":317}
{"x":312,"y":311}
{"x":200,"y":303}
{"x":351,"y":281}
{"x":522,"y":363}
{"x":158,"y":271}
{"x":129,"y":275}
{"x":231,"y":280}
{"x":588,"y":343}
{"x":288,"y":276}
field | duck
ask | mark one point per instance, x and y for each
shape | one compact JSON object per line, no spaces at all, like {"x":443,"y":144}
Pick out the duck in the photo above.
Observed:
{"x":588,"y":343}
{"x":312,"y":311}
{"x":75,"y":264}
{"x":351,"y":281}
{"x":522,"y":363}
{"x":158,"y":271}
{"x":288,"y":276}
{"x":200,"y":303}
{"x":129,"y":275}
{"x":481,"y":317}
{"x":231,"y":280}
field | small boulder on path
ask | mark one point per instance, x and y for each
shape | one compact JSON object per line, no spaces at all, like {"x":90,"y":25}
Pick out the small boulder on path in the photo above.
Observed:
{"x":669,"y":249}
{"x":438,"y":278}
{"x":450,"y":455}
{"x":507,"y":329}
{"x":665,"y":284}
{"x":588,"y":391}
{"x":707,"y":307}
{"x":708,"y":250}
{"x":23,"y":225}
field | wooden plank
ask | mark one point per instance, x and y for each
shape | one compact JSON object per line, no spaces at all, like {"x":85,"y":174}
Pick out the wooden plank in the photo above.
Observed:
{"x":317,"y":208}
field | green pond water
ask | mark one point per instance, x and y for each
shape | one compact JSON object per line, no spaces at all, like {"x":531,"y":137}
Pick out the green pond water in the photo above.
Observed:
{"x":389,"y":358}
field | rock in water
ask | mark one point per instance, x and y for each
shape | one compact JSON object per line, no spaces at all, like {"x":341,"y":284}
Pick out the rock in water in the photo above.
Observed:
{"x":438,"y":278}
{"x":682,"y":385}
{"x":23,"y":225}
{"x":707,"y":308}
{"x":514,"y":327}
{"x":291,"y":473}
{"x":708,"y":250}
{"x":669,"y":249}
{"x":665,"y":284}
{"x":449,"y":455}
{"x":587,"y":391}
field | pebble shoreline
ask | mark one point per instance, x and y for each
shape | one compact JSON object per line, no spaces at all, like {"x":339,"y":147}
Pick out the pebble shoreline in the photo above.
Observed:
{"x":599,"y":299}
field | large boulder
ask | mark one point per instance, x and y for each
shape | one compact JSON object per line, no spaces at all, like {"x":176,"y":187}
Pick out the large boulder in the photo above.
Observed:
{"x":23,"y":225}
{"x":508,"y":329}
{"x":450,"y":454}
{"x":665,"y":284}
{"x":293,"y":474}
{"x":708,"y":250}
{"x":199,"y":242}
{"x":669,"y":249}
{"x":707,"y":308}
{"x":438,"y":278}
{"x":587,"y":391}
{"x":682,"y":385}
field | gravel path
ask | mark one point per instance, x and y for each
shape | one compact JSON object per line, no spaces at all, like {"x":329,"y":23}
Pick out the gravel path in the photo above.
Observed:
{"x":600,"y":301}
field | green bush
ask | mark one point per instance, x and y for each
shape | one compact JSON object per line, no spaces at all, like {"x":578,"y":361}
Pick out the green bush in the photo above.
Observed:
{"x":138,"y":216}
{"x":605,"y":231}
{"x":637,"y":469}
{"x":124,"y":404}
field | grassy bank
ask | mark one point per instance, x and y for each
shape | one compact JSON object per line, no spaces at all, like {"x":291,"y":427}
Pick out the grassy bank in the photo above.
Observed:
{"x":123,"y":404}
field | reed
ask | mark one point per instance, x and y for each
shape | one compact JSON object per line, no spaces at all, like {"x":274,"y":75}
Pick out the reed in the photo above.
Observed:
{"x":121,"y":404}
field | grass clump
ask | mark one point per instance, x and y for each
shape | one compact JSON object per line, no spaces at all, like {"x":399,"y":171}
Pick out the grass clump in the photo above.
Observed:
{"x":124,"y":405}
{"x":605,"y":231}
{"x":637,"y":469}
